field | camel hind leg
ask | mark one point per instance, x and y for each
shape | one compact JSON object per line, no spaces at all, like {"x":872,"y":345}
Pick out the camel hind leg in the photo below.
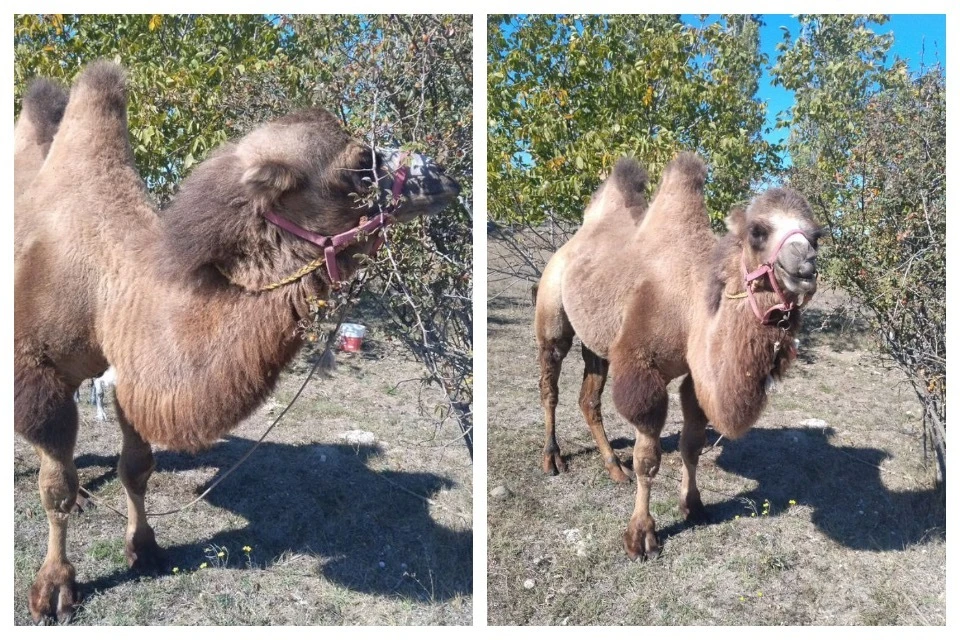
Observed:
{"x":692,"y":439}
{"x":135,"y":467}
{"x":46,"y":416}
{"x":594,"y":378}
{"x":554,"y":338}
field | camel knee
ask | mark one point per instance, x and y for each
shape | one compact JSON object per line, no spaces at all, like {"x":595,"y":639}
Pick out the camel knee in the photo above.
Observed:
{"x":590,"y":404}
{"x":646,"y":465}
{"x":59,"y":485}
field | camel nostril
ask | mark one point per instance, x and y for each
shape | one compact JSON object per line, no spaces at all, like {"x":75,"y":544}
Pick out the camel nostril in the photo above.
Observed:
{"x":807,"y":269}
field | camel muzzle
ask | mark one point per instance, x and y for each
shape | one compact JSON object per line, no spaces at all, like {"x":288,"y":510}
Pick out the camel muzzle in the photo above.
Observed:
{"x":800,"y":280}
{"x":426,"y":188}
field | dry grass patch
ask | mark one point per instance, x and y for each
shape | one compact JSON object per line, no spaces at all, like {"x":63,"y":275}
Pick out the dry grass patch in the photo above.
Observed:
{"x":337,"y":533}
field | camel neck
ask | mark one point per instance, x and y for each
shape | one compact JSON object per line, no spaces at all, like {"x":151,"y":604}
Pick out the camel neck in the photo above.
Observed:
{"x":733,"y":355}
{"x":193,"y":362}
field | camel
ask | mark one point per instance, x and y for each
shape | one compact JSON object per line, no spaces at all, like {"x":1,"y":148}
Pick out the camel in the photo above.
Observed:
{"x":184,"y":302}
{"x":654,"y":295}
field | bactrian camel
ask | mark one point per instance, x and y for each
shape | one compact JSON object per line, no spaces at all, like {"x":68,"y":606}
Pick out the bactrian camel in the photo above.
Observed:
{"x":173,"y":299}
{"x":654,"y":295}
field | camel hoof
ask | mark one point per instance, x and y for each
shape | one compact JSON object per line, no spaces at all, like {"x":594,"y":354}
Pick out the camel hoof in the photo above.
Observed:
{"x":618,"y":473}
{"x":553,"y":463}
{"x":82,"y":504}
{"x":640,"y":544}
{"x":54,"y":596}
{"x":694,"y":512}
{"x":144,"y":555}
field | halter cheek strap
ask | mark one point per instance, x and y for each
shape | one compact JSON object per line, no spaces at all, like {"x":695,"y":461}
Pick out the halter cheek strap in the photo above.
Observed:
{"x":766,"y":269}
{"x":332,"y":245}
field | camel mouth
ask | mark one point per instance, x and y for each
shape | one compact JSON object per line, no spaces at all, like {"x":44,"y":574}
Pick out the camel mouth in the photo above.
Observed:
{"x":795,"y":282}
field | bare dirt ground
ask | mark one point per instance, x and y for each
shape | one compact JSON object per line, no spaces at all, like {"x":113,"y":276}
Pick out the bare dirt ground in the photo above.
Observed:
{"x":339,"y":533}
{"x":853,"y":533}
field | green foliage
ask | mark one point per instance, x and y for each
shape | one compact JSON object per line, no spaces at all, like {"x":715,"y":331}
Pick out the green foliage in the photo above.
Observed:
{"x":868,"y":144}
{"x":568,"y":96}
{"x":195,"y":81}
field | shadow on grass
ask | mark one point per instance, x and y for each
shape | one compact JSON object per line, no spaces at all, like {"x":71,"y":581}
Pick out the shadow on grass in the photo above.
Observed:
{"x":842,"y":485}
{"x":323,"y":499}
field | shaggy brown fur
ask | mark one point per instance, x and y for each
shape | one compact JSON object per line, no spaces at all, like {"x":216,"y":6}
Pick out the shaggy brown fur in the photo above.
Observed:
{"x":102,"y":277}
{"x":655,"y":293}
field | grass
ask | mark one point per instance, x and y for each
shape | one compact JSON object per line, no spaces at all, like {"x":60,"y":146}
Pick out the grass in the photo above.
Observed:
{"x":863,"y":543}
{"x":319,"y":515}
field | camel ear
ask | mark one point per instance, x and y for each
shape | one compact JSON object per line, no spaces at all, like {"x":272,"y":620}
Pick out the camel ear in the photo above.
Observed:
{"x":271,"y":179}
{"x":737,"y":221}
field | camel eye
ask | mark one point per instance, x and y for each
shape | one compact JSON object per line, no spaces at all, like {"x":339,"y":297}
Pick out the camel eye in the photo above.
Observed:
{"x":757,"y":232}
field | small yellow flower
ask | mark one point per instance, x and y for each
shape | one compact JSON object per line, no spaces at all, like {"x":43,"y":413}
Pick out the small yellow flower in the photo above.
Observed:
{"x":742,"y":598}
{"x":176,"y":569}
{"x":753,"y":515}
{"x":247,"y":549}
{"x":793,"y":503}
{"x":203,"y":565}
{"x":736,"y":517}
{"x":221,"y":554}
{"x":759,"y":594}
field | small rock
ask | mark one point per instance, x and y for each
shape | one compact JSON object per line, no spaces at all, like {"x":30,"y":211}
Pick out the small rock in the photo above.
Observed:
{"x":572,"y":535}
{"x":814,"y":423}
{"x":358,"y":437}
{"x":500,"y":492}
{"x":529,"y":584}
{"x":382,"y":564}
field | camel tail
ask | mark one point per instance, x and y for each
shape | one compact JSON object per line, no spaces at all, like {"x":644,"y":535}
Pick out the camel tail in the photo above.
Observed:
{"x":686,"y":172}
{"x":43,"y":106}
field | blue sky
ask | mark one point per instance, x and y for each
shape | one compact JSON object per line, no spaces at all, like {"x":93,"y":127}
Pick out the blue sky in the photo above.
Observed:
{"x":912,"y":34}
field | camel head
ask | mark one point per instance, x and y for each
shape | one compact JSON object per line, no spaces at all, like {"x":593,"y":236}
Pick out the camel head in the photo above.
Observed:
{"x":778,"y":229}
{"x":307,"y":168}
{"x":280,"y":197}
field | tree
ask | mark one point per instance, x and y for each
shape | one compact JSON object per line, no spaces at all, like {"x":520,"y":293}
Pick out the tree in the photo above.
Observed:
{"x":196,"y":80}
{"x":568,"y":96}
{"x":868,"y":143}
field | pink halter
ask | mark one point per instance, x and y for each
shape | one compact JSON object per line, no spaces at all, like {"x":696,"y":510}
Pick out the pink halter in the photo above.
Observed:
{"x":332,"y":245}
{"x":766,"y":269}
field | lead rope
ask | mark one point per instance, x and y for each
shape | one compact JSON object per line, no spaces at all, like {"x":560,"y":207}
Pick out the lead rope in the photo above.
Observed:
{"x":324,"y":359}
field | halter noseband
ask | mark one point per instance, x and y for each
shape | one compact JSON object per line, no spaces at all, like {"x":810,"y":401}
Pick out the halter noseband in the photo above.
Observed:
{"x":766,"y":269}
{"x":332,"y":245}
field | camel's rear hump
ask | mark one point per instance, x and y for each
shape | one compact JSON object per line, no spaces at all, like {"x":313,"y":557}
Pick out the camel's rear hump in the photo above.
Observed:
{"x":621,"y":199}
{"x":43,"y":106}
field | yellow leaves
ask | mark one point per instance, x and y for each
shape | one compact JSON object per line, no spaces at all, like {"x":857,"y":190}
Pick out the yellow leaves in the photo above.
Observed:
{"x":647,"y":99}
{"x":56,"y":20}
{"x":155,"y":22}
{"x":555,"y":163}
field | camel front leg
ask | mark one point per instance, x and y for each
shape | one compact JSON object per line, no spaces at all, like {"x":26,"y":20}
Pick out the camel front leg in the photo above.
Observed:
{"x":46,"y":416}
{"x":552,"y":353}
{"x":591,"y":391}
{"x":54,"y":592}
{"x":692,"y":438}
{"x":135,"y":467}
{"x":640,"y":395}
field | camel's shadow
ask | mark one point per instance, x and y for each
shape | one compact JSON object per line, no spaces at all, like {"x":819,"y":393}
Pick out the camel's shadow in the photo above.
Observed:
{"x":322,"y":499}
{"x":842,"y":485}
